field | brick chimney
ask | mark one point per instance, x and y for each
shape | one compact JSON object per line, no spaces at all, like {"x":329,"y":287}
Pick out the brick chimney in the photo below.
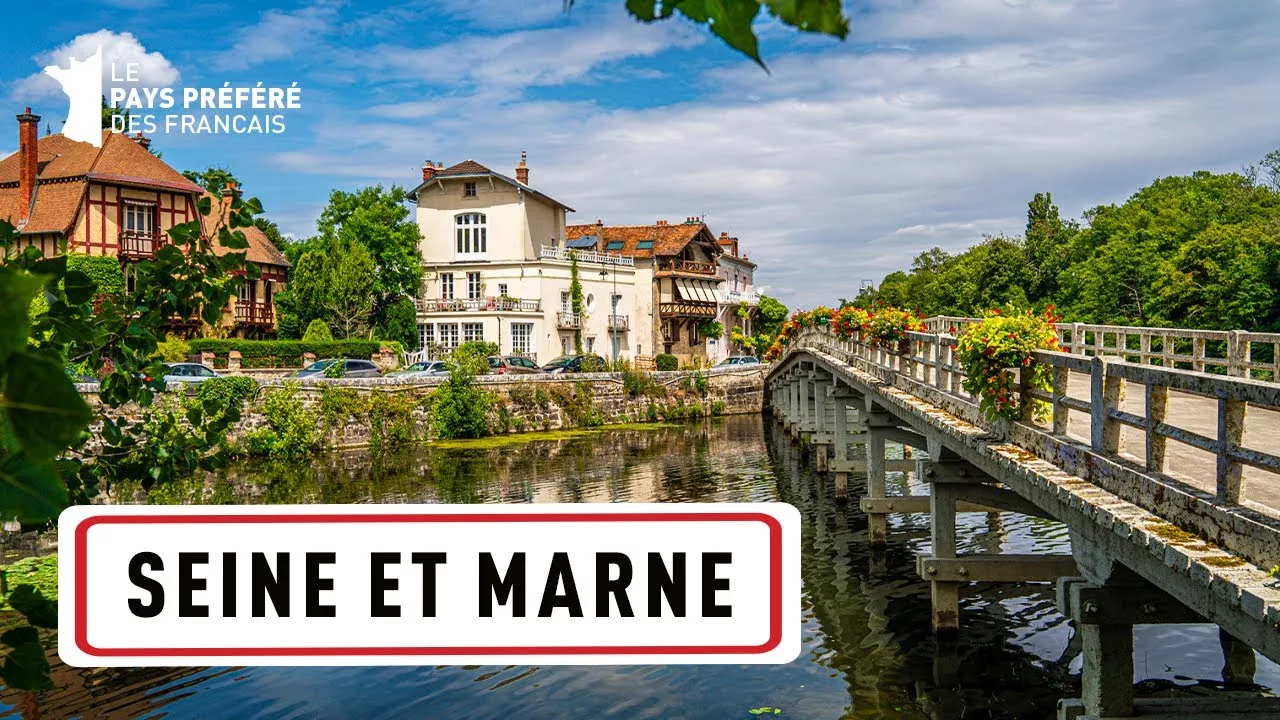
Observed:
{"x":229,"y":192}
{"x":522,"y":170}
{"x":29,"y":161}
{"x":142,"y":140}
{"x":428,"y":171}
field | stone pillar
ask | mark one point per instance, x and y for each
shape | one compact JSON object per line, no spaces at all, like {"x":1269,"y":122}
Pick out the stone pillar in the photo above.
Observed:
{"x":840,"y":446}
{"x":233,"y":361}
{"x":206,"y":359}
{"x":942,"y":535}
{"x":877,"y":523}
{"x":1239,"y":662}
{"x":806,"y":422}
{"x":821,"y":433}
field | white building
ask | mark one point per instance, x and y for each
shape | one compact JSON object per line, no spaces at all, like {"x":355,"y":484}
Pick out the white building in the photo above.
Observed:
{"x":498,"y":269}
{"x":738,"y":303}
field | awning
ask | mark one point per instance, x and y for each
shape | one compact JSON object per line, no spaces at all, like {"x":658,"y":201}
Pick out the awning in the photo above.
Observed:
{"x":698,"y":290}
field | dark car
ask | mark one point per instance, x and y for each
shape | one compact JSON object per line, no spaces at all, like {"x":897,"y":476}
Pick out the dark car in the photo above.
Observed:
{"x":574,"y":363}
{"x":351,"y":369}
{"x":512,"y":365}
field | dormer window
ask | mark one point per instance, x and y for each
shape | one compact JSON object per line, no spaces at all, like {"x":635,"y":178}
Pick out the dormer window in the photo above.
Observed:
{"x":469,"y":189}
{"x":472,"y":240}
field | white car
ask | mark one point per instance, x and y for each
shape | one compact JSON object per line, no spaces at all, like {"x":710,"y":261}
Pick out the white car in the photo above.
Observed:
{"x":422,"y":369}
{"x":190,"y":373}
{"x":739,"y":360}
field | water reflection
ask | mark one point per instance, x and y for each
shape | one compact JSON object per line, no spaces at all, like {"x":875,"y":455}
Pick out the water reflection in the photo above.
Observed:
{"x":867,"y":648}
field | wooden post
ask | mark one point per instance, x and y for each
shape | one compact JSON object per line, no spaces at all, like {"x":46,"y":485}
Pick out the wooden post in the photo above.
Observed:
{"x":877,"y":523}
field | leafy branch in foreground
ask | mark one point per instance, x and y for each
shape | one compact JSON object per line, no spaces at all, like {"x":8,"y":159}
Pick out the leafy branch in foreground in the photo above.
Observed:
{"x":731,"y":20}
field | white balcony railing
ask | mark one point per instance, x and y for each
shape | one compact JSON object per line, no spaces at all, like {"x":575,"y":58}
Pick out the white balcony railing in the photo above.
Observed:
{"x":498,"y":304}
{"x":568,"y":320}
{"x":750,"y":297}
{"x":587,"y":256}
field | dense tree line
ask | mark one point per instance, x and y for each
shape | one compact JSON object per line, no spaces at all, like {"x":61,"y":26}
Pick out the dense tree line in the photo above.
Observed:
{"x":1201,"y":250}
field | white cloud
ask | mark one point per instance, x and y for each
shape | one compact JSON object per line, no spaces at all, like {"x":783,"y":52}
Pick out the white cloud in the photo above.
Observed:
{"x":278,"y":35}
{"x":844,"y":164}
{"x":118,"y":49}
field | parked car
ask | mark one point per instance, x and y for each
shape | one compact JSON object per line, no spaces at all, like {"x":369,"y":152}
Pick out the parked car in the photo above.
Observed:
{"x":79,"y":377}
{"x":573,"y":364}
{"x":739,"y":360}
{"x":512,"y":365}
{"x":421,"y":369}
{"x":351,"y":369}
{"x":190,"y":373}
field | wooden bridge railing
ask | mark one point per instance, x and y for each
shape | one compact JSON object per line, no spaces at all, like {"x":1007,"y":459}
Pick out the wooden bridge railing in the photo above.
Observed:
{"x":929,"y":361}
{"x":1226,"y":352}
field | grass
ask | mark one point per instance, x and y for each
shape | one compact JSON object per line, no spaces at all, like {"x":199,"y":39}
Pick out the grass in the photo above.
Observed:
{"x":501,"y":441}
{"x":39,"y":572}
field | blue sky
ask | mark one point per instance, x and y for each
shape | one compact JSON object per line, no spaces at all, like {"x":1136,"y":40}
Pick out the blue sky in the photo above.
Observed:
{"x":932,"y":125}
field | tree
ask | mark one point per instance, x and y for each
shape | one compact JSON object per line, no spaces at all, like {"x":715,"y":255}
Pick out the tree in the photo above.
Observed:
{"x":379,"y":220}
{"x":347,"y":298}
{"x":1045,"y":240}
{"x":317,"y":331}
{"x":575,"y":301}
{"x":215,"y":179}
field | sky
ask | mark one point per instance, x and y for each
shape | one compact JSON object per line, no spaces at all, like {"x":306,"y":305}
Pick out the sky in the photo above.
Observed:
{"x":931,"y":125}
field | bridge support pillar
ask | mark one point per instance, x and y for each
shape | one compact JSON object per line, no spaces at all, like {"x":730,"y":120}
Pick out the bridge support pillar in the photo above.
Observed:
{"x":840,"y":444}
{"x":821,"y":431}
{"x":942,"y":535}
{"x":877,"y":522}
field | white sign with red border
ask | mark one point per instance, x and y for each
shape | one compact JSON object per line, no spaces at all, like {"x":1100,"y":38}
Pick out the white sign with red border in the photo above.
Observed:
{"x":429,"y":584}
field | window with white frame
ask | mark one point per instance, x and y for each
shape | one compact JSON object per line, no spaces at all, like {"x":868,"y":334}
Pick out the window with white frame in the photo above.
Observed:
{"x":426,"y":335}
{"x":473,"y":285}
{"x":522,"y":338}
{"x":472,"y":235}
{"x":472,"y":332}
{"x":591,"y":343}
{"x":566,"y":304}
{"x":446,"y":286}
{"x":502,"y":290}
{"x":565,"y":344}
{"x":139,"y":218}
{"x":448,"y":336}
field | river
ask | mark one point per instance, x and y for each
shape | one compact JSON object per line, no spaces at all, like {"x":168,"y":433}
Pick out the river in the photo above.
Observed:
{"x":867,"y":648}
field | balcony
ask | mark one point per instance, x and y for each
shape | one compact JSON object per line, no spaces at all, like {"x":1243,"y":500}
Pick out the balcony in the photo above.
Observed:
{"x":135,"y":245}
{"x":620,"y":323}
{"x":735,"y":297}
{"x":490,"y":304}
{"x":568,"y":321}
{"x":687,"y":308}
{"x":587,"y":256}
{"x":255,"y":313}
{"x":687,"y":267}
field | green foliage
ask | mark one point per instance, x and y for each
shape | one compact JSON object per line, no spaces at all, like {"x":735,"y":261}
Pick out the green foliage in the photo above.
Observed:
{"x":772,"y":315}
{"x":989,"y":352}
{"x":401,"y":323}
{"x":174,"y":349}
{"x":717,"y":407}
{"x":317,"y":331}
{"x":223,"y":393}
{"x":284,"y":353}
{"x":391,"y":420}
{"x":666,"y":363}
{"x":379,"y":221}
{"x":697,"y":382}
{"x":39,"y":573}
{"x":575,"y":299}
{"x":713,"y":329}
{"x":291,"y":425}
{"x":211,"y":178}
{"x":459,"y":409}
{"x":637,"y":383}
{"x":765,"y":710}
{"x":731,"y":20}
{"x":579,"y":405}
{"x":102,"y":270}
{"x":335,"y":369}
{"x":472,"y":357}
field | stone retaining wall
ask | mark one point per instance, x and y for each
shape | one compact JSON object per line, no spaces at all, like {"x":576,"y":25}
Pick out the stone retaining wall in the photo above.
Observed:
{"x":523,"y":402}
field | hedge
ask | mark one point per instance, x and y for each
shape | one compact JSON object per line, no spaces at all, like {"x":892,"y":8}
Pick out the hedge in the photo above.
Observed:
{"x":283,"y":353}
{"x":104,"y":270}
{"x":666,"y":363}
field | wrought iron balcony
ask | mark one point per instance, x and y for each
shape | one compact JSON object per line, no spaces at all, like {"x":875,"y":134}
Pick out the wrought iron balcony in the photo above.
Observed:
{"x":135,"y":245}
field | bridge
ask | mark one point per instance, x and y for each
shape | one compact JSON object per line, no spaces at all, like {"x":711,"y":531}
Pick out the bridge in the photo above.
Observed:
{"x":1172,"y":503}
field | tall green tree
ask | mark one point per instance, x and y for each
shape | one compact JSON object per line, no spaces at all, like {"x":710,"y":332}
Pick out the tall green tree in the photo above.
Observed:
{"x":378,"y":219}
{"x":214,"y":179}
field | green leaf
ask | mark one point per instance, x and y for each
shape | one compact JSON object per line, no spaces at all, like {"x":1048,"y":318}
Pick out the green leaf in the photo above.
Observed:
{"x":820,"y":16}
{"x":40,"y":610}
{"x":234,"y":240}
{"x":79,"y":287}
{"x":55,"y":266}
{"x":31,"y":491}
{"x":44,"y":408}
{"x":643,"y":10}
{"x":26,"y":667}
{"x":17,"y":290}
{"x":729,"y":20}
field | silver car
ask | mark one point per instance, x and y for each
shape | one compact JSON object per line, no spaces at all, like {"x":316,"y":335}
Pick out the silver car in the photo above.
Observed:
{"x":351,"y":369}
{"x":739,"y":360}
{"x":424,"y":368}
{"x":190,"y":373}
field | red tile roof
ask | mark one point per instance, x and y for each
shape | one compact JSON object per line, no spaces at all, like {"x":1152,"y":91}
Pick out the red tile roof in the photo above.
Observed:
{"x":260,"y":251}
{"x":466,"y":167}
{"x":668,"y":240}
{"x":66,"y":166}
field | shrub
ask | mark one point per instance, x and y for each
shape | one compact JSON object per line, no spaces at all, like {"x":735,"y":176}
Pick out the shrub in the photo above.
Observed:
{"x":636,"y":383}
{"x":284,"y":353}
{"x":317,"y":331}
{"x":291,"y":425}
{"x":717,"y":407}
{"x":459,"y":409}
{"x":401,"y":323}
{"x":221,"y":394}
{"x":103,"y":270}
{"x":472,"y":357}
{"x":173,"y":349}
{"x":667,"y":363}
{"x":991,"y":349}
